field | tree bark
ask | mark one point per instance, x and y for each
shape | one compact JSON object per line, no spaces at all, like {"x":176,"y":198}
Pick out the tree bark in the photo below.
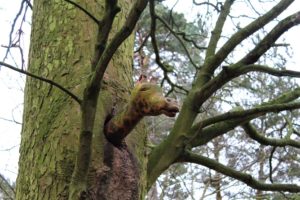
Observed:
{"x":62,"y":49}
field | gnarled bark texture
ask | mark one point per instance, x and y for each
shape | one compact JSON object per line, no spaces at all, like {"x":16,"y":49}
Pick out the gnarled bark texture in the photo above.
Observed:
{"x":62,"y":46}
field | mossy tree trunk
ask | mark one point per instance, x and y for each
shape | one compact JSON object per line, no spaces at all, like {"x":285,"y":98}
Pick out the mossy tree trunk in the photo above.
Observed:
{"x":62,"y":49}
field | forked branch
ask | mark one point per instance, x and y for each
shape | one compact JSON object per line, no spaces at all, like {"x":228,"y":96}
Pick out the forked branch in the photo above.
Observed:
{"x":216,"y":33}
{"x":204,"y":131}
{"x":270,"y":38}
{"x":244,"y":33}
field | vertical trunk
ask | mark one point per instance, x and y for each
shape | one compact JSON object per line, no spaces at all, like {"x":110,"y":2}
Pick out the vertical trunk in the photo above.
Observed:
{"x":218,"y":187}
{"x":216,"y":183}
{"x":261,"y":156}
{"x":217,"y":177}
{"x":62,"y":46}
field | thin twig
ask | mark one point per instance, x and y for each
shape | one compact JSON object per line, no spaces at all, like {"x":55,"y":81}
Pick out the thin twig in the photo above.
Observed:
{"x":178,"y":38}
{"x":185,"y":37}
{"x":143,"y":43}
{"x":208,"y":4}
{"x":13,"y":28}
{"x":163,"y":66}
{"x":51,"y":82}
{"x":270,"y":164}
{"x":28,"y":3}
{"x":10,"y":120}
{"x":84,"y":10}
{"x":10,"y":148}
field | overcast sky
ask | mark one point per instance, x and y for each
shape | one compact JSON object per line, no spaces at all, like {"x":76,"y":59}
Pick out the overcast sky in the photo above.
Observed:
{"x":12,"y":83}
{"x":11,"y":95}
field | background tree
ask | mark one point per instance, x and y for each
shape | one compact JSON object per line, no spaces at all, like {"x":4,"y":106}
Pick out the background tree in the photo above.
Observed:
{"x":7,"y":190}
{"x":224,"y":97}
{"x":215,"y":120}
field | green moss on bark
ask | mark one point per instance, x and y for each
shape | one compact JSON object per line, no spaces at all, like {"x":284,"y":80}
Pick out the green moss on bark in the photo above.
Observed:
{"x":62,"y":44}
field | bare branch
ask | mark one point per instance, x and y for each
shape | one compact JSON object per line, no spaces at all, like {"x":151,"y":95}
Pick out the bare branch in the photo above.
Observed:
{"x":268,"y":70}
{"x":216,"y":33}
{"x":10,"y":148}
{"x":28,"y":3}
{"x":204,"y":86}
{"x":229,"y":73}
{"x":259,"y":137}
{"x":44,"y":80}
{"x":208,"y":4}
{"x":249,"y":114}
{"x":10,"y":120}
{"x":206,"y":130}
{"x":243,"y":33}
{"x":10,"y":43}
{"x":178,"y":38}
{"x":185,"y":37}
{"x":164,"y":66}
{"x":244,"y":177}
{"x":142,"y":44}
{"x":5,"y":186}
{"x":270,"y":38}
{"x":84,"y":10}
{"x":270,"y":164}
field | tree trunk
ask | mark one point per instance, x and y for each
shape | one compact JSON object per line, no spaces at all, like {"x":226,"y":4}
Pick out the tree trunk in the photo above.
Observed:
{"x":62,"y":47}
{"x":259,"y":195}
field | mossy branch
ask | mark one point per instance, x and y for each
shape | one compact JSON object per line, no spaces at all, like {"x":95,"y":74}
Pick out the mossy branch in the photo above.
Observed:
{"x":204,"y":86}
{"x":268,"y":70}
{"x":250,"y":113}
{"x":255,"y":135}
{"x":116,"y":41}
{"x":207,"y":129}
{"x":216,"y":33}
{"x":213,"y":62}
{"x":244,"y":177}
{"x":269,"y":40}
{"x":229,"y":73}
{"x":102,"y":56}
{"x":104,"y":28}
